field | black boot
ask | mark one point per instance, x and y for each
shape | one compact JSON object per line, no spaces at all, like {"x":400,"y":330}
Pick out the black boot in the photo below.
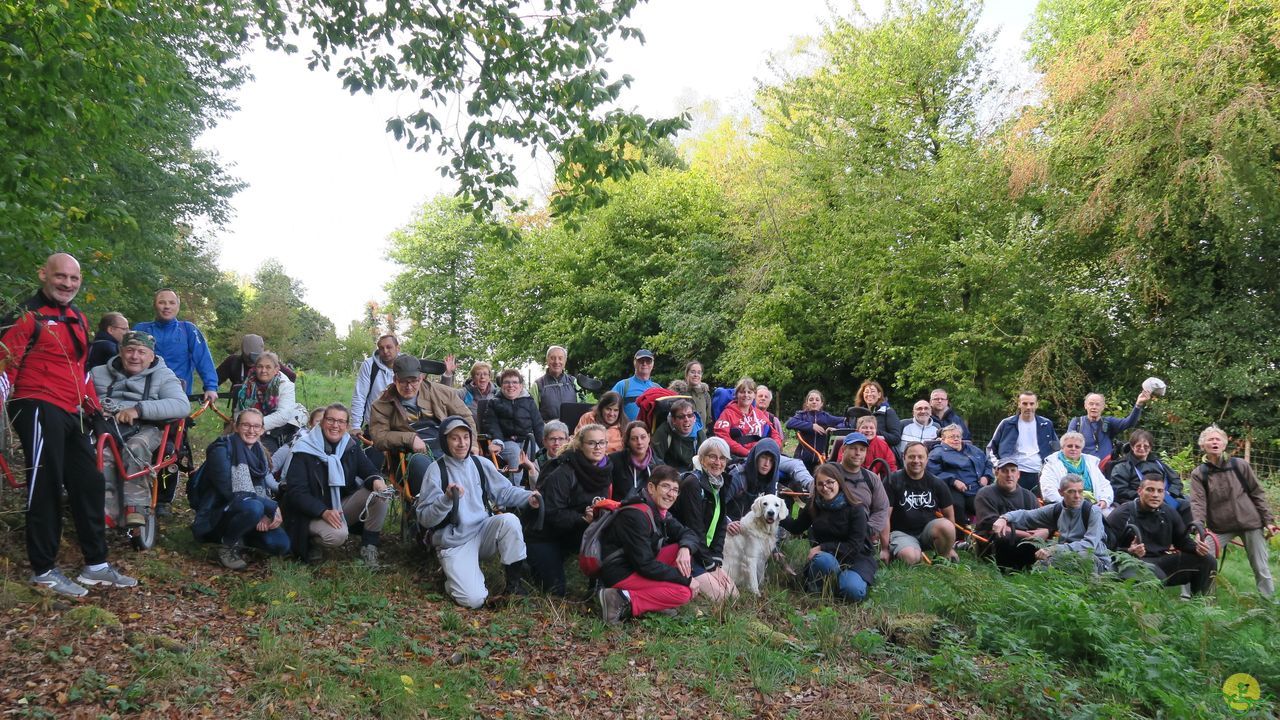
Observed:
{"x":516,"y":584}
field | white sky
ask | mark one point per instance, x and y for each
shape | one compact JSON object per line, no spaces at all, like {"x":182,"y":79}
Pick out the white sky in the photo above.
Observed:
{"x":327,"y":184}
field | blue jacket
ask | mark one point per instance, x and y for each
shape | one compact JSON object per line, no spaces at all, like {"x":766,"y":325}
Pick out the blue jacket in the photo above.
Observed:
{"x":630,"y":389}
{"x":1099,"y":436}
{"x":951,"y":417}
{"x":1004,"y":442}
{"x":184,"y":350}
{"x":966,"y":465}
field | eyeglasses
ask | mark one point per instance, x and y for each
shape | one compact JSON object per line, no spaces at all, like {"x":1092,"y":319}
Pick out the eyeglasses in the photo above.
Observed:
{"x":595,"y":443}
{"x":685,"y":416}
{"x":714,"y":458}
{"x":334,"y":421}
{"x":247,"y":426}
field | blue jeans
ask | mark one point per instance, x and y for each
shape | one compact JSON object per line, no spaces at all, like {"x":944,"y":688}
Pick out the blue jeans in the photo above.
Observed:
{"x":849,"y":584}
{"x":238,"y":523}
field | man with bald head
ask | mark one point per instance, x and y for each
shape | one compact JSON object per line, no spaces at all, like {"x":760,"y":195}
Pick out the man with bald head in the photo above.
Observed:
{"x":185,"y":352}
{"x":43,"y":350}
{"x":181,"y":344}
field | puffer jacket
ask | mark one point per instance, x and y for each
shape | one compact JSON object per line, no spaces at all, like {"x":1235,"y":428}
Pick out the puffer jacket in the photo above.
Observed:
{"x":1127,"y":474}
{"x":508,"y":419}
{"x":165,"y":400}
{"x":967,"y":465}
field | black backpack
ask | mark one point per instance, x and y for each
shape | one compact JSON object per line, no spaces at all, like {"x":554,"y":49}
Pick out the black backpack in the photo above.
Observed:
{"x":452,"y":517}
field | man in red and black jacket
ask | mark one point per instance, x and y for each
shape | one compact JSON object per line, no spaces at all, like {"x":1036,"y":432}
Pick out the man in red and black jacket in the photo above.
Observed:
{"x":42,"y":354}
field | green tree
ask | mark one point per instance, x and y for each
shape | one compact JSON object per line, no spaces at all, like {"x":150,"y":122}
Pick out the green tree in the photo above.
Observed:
{"x":102,"y":104}
{"x":436,"y":293}
{"x":276,"y":310}
{"x":522,"y":76}
{"x":1153,"y":156}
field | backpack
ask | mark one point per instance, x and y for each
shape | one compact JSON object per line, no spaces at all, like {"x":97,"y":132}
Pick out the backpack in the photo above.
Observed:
{"x":1249,"y":487}
{"x":720,"y":397}
{"x":1086,"y":510}
{"x":648,"y":402}
{"x":452,"y":517}
{"x":591,"y":559}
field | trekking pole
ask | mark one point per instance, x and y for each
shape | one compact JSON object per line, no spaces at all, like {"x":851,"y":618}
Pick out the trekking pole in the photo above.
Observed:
{"x":821,"y":458}
{"x":963,"y":529}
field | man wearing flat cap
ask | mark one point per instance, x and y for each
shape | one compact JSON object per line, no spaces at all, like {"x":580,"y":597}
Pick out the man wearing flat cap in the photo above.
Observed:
{"x":139,"y":394}
{"x":406,"y":417}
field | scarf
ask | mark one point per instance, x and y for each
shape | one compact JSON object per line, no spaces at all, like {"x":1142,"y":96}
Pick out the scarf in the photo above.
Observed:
{"x":716,"y":482}
{"x":834,"y":503}
{"x":1079,"y":469}
{"x":263,"y":396}
{"x":252,"y":457}
{"x":648,"y":460}
{"x":596,"y":479}
{"x":313,"y":443}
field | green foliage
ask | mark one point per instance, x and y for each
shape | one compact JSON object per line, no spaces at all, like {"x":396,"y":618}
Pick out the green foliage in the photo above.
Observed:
{"x":273,"y":308}
{"x":533,"y":79}
{"x":102,"y":106}
{"x":1153,"y":156}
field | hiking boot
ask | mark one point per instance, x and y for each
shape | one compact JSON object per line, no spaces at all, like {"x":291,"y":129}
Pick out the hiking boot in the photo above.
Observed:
{"x":59,"y":583}
{"x":229,"y":556}
{"x":133,"y":518}
{"x":669,"y":612}
{"x":315,"y":554}
{"x":369,"y":555}
{"x":516,"y":584}
{"x":614,"y":606}
{"x":163,"y":510}
{"x":106,"y":576}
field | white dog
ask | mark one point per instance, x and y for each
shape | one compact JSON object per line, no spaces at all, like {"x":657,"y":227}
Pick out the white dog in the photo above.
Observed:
{"x":746,"y":553}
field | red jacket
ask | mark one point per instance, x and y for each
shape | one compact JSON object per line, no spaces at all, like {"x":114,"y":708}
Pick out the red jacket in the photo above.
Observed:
{"x":753,"y":423}
{"x":50,"y":367}
{"x":877,"y":450}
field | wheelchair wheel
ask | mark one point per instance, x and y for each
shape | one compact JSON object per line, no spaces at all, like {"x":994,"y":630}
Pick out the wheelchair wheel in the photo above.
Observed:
{"x":144,"y":536}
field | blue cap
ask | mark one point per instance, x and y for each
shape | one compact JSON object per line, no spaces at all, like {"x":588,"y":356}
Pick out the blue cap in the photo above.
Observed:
{"x":856,"y":437}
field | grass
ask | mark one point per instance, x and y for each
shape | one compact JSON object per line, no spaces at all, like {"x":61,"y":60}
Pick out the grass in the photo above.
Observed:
{"x":286,"y":640}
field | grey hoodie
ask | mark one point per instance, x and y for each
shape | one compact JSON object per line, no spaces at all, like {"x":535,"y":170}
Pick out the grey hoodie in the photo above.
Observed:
{"x":165,"y":400}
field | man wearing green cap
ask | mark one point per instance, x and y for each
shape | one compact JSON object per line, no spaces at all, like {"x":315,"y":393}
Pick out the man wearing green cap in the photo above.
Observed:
{"x":139,"y":394}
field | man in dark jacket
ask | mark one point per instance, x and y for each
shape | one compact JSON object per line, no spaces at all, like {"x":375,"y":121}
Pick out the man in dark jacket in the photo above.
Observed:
{"x":647,"y":554}
{"x":756,"y":476}
{"x":1100,"y":432}
{"x":106,"y":343}
{"x":1012,"y":551}
{"x":330,"y":486}
{"x":1153,"y":532}
{"x":675,"y":442}
{"x":944,"y":414}
{"x":1026,"y":438}
{"x":556,"y":387}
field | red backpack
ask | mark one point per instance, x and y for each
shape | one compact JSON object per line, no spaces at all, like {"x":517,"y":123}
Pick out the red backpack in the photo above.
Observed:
{"x":647,"y":402}
{"x":590,"y":557}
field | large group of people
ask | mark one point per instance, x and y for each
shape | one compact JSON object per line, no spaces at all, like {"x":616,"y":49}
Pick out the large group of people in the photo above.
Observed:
{"x":643,"y":487}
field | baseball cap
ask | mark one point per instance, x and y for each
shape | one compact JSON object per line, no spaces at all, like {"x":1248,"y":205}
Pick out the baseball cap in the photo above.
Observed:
{"x":642,"y":353}
{"x":141,"y":339}
{"x":407,"y":366}
{"x":451,"y":423}
{"x":856,"y":437}
{"x":1005,"y":461}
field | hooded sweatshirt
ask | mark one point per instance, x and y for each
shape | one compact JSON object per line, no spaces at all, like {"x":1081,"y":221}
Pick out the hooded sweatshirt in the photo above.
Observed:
{"x":746,"y":483}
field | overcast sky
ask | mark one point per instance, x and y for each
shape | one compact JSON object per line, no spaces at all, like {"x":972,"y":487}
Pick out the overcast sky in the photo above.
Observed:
{"x":327,"y":184}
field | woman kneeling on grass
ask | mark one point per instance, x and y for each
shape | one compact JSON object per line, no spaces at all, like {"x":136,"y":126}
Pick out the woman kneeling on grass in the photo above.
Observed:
{"x":841,"y":539}
{"x":653,"y":570}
